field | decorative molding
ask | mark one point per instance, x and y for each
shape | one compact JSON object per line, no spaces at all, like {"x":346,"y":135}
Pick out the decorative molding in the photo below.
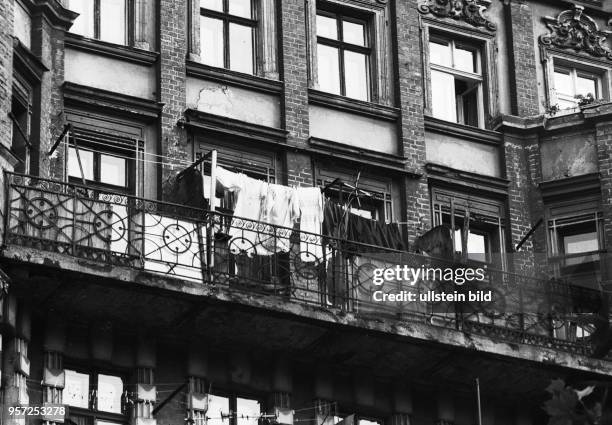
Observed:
{"x":470,"y":11}
{"x":369,"y":109}
{"x":572,"y":29}
{"x":115,"y":51}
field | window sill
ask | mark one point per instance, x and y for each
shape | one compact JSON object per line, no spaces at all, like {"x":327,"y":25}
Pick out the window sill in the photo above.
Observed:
{"x":116,"y":51}
{"x":343,"y":103}
{"x":350,"y":153}
{"x":571,"y":187}
{"x":474,"y":134}
{"x":26,"y":62}
{"x":227,"y":76}
{"x":470,"y":181}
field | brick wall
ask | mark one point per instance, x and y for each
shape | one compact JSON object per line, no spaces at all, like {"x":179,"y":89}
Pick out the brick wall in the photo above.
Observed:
{"x":6,"y":69}
{"x":294,"y":70}
{"x":604,"y":158}
{"x":521,"y":49}
{"x":172,"y":84}
{"x":410,"y":93}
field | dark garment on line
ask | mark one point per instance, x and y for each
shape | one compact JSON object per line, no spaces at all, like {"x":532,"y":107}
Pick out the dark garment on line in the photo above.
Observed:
{"x":341,"y":224}
{"x":187,"y":189}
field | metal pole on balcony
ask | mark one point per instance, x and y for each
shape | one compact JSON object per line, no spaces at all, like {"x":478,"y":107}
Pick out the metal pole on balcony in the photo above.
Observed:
{"x":210,"y":230}
{"x":478,"y":400}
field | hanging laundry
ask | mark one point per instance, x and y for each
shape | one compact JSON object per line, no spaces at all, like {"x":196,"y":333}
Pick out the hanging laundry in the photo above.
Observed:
{"x":244,"y":237}
{"x":187,"y":189}
{"x":279,"y":208}
{"x":310,"y":202}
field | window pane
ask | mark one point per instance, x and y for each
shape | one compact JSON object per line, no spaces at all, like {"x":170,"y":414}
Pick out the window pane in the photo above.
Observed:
{"x":465,"y":59}
{"x":440,"y":53}
{"x":240,"y":8}
{"x":369,"y":422}
{"x":110,"y":389}
{"x":443,"y":102}
{"x":241,"y":48}
{"x":563,"y":83}
{"x":22,"y":25}
{"x":356,"y":75}
{"x":353,"y":33}
{"x":327,"y":27}
{"x":586,"y":85}
{"x":211,"y":37}
{"x":112,"y":21}
{"x":87,"y":162}
{"x":477,"y":247}
{"x":328,"y":69}
{"x":217,"y":407}
{"x":112,"y":170}
{"x":248,"y":411}
{"x":76,"y":390}
{"x":583,"y":242}
{"x":212,"y":5}
{"x":84,"y":23}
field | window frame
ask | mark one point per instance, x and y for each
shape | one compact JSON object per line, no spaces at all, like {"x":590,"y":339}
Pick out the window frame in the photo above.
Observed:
{"x":92,"y":411}
{"x":574,"y":72}
{"x":341,"y":14}
{"x":479,"y":77}
{"x":228,"y":19}
{"x":554,"y":58}
{"x":98,"y":148}
{"x":129,"y":24}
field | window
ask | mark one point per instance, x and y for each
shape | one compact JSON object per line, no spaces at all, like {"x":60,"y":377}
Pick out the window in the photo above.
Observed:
{"x":227,"y":34}
{"x":478,"y":219}
{"x":355,"y":419}
{"x":220,"y":407}
{"x":95,"y":398}
{"x":21,"y":115}
{"x":343,"y":55}
{"x":571,"y":83}
{"x":101,"y":163}
{"x":104,"y":20}
{"x":456,"y":81}
{"x":575,"y":243}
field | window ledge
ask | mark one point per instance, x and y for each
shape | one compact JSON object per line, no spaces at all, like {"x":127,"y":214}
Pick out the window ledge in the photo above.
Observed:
{"x":203,"y":121}
{"x":485,"y":184}
{"x":343,"y":103}
{"x":26,"y":62}
{"x":222,"y":75}
{"x":571,"y":187}
{"x":474,"y":134}
{"x":117,"y":51}
{"x":351,"y":153}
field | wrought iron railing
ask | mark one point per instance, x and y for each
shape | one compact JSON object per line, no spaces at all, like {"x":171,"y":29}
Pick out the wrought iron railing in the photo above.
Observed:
{"x":224,"y":251}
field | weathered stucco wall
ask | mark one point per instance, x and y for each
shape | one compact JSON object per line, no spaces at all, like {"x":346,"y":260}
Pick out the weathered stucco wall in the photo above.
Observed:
{"x":354,"y":130}
{"x":463,"y":155}
{"x":110,"y":74}
{"x":233,"y":102}
{"x":568,"y":155}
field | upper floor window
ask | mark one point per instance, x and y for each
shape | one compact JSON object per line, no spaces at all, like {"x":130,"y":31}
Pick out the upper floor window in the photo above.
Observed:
{"x":456,"y":81}
{"x":343,"y":54}
{"x":571,"y":84}
{"x":227,"y":34}
{"x":94,"y":397}
{"x":104,"y":20}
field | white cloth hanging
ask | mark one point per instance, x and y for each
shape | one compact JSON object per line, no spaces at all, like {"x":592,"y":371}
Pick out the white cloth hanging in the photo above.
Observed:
{"x":279,"y":208}
{"x":310,"y":202}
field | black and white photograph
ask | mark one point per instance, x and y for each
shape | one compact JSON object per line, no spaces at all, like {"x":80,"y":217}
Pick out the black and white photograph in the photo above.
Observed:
{"x":305,"y":212}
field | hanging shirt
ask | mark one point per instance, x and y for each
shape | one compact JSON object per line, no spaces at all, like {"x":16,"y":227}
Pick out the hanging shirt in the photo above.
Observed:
{"x":244,"y":229}
{"x":279,"y":208}
{"x":310,"y":203}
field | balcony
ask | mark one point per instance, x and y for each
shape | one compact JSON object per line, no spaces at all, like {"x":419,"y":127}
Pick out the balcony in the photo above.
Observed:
{"x":217,"y":250}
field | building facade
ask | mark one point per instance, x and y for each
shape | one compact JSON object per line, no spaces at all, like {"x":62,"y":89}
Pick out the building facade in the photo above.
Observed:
{"x":489,"y":117}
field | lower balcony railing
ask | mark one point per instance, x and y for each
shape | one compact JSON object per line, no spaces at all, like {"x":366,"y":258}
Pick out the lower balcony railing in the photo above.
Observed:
{"x":218,"y":249}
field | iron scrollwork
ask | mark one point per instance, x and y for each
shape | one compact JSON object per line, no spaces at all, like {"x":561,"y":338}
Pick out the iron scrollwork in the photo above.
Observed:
{"x":470,"y":11}
{"x":572,"y":29}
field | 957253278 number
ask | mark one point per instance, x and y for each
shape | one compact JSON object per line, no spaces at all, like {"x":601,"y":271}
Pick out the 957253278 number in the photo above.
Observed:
{"x":48,"y":411}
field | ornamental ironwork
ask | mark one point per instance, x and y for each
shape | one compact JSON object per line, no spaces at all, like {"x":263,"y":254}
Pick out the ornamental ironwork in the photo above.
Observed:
{"x":572,"y":29}
{"x":470,"y":11}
